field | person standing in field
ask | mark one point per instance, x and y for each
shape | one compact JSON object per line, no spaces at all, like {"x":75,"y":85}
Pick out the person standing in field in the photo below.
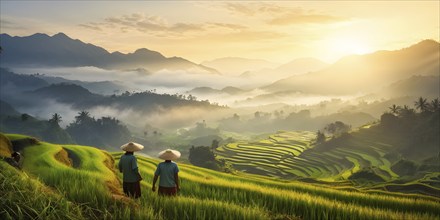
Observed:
{"x":168,"y":172}
{"x":130,"y":171}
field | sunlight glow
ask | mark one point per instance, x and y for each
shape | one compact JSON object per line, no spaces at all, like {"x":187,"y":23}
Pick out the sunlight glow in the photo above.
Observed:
{"x":348,"y":45}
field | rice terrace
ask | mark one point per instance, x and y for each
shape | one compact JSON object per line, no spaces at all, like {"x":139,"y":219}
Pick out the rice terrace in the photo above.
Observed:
{"x":220,"y":110}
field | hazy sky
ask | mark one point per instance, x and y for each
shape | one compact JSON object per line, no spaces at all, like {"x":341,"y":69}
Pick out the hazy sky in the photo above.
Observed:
{"x":278,"y":31}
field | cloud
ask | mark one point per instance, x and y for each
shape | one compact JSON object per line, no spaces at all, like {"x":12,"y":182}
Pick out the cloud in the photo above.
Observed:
{"x":256,"y":8}
{"x":183,"y":27}
{"x":300,"y":18}
{"x":240,"y":8}
{"x":280,"y":15}
{"x":91,"y":26}
{"x":20,"y":25}
{"x":156,"y":25}
{"x":227,"y":25}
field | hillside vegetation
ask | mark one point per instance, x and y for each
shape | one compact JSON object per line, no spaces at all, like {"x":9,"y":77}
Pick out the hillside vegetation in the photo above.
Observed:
{"x":80,"y":182}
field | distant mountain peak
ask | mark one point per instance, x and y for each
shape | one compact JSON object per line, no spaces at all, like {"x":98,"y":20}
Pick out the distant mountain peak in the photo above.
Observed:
{"x":61,"y":50}
{"x":61,"y":35}
{"x":428,"y":43}
{"x":38,"y":35}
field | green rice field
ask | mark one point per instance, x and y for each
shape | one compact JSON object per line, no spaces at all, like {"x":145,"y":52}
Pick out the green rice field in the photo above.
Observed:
{"x":80,"y":182}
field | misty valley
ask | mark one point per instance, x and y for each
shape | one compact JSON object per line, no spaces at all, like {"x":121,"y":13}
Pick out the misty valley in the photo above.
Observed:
{"x":354,"y":139}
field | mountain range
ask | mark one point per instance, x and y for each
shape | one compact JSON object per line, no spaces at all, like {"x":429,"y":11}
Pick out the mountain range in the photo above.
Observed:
{"x":60,"y":50}
{"x":237,"y":65}
{"x":295,"y":67}
{"x":364,"y":73}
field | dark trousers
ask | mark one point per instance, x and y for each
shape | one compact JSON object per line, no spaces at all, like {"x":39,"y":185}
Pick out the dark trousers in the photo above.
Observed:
{"x":167,"y":191}
{"x":132,"y":189}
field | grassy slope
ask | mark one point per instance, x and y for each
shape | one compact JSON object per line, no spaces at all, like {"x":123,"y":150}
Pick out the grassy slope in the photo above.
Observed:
{"x":205,"y":194}
{"x":24,"y":198}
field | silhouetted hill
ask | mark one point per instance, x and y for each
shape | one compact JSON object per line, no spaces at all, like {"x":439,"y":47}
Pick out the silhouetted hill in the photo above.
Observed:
{"x":60,"y":50}
{"x":415,"y":86}
{"x":302,"y":65}
{"x":18,"y":82}
{"x":363,"y":73}
{"x":203,"y":90}
{"x":230,"y":90}
{"x":238,"y":65}
{"x":295,"y":67}
{"x":66,"y":93}
{"x":7,"y":109}
{"x":31,"y":91}
{"x":12,"y":85}
{"x":100,"y":87}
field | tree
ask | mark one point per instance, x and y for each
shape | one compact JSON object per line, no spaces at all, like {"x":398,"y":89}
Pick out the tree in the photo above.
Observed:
{"x":434,"y":105}
{"x":421,"y":104}
{"x":236,"y":117}
{"x":388,"y":120}
{"x":25,"y":117}
{"x":337,"y":128}
{"x":257,"y":114}
{"x":56,"y":119}
{"x":395,"y":109}
{"x":320,"y":137}
{"x":214,"y":144}
{"x":83,"y":117}
{"x":202,"y":156}
{"x":406,"y":112}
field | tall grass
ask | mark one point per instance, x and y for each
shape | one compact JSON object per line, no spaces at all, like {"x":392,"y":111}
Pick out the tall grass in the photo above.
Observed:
{"x":24,"y":198}
{"x":295,"y":199}
{"x":85,"y":193}
{"x":87,"y":185}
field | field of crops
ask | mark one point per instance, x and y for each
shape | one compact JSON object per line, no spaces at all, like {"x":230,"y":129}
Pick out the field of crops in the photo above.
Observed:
{"x":290,"y":155}
{"x":83,"y":178}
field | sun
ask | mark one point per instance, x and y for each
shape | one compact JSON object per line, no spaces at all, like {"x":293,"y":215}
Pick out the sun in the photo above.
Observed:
{"x":346,"y":46}
{"x":334,"y":47}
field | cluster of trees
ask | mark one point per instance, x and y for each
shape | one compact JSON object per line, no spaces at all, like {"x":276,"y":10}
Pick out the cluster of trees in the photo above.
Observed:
{"x":262,"y":122}
{"x":204,"y":156}
{"x":416,"y":128}
{"x":421,"y":104}
{"x":142,"y":100}
{"x":403,"y":117}
{"x":334,"y":129}
{"x":105,"y":131}
{"x":45,"y":130}
{"x":200,"y":129}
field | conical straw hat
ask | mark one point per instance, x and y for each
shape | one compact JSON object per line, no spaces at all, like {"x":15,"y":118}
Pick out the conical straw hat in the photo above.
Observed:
{"x":169,"y":154}
{"x":131,"y":146}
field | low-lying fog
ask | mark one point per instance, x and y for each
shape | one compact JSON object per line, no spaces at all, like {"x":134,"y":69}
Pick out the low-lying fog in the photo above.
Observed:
{"x":244,"y":102}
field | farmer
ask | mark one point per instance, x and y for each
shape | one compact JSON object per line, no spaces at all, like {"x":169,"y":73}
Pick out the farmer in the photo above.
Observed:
{"x":168,"y":172}
{"x":16,"y":160}
{"x":130,"y":171}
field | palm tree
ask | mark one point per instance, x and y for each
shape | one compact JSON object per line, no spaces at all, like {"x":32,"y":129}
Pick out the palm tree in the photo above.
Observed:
{"x":83,"y":116}
{"x":406,"y":112}
{"x":421,"y":104}
{"x":435,"y":105}
{"x":395,"y":109}
{"x":56,"y":118}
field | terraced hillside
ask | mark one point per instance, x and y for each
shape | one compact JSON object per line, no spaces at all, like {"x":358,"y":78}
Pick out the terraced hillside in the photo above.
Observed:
{"x":80,"y":183}
{"x":272,"y":156}
{"x":292,"y":155}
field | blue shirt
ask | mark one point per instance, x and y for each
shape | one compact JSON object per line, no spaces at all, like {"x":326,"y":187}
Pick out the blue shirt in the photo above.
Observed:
{"x":166,"y":171}
{"x":129,"y":168}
